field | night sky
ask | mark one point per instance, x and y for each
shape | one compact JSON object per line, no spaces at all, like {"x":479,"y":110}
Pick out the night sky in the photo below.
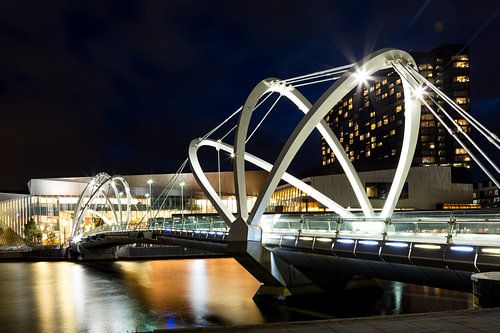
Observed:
{"x":122,"y":87}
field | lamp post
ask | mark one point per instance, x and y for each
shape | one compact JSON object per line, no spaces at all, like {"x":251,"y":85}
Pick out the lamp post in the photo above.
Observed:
{"x":181,"y":184}
{"x":150,"y":197}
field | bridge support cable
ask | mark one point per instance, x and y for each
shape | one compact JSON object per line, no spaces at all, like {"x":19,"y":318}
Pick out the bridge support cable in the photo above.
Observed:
{"x":170,"y":185}
{"x":320,"y":74}
{"x":417,"y":90}
{"x":490,"y":136}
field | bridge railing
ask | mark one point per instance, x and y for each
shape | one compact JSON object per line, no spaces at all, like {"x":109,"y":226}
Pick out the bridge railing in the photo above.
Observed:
{"x":436,"y":227}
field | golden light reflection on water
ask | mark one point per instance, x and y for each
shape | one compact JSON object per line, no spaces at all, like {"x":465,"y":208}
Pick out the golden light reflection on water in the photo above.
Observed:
{"x":143,"y":296}
{"x":52,"y":285}
{"x":199,"y":291}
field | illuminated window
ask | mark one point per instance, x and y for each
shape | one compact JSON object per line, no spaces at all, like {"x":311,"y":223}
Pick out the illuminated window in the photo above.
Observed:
{"x":460,"y":151}
{"x":350,"y":107}
{"x":361,"y":137}
{"x":379,"y":144}
{"x":350,"y":123}
{"x":462,"y":100}
{"x":399,"y":108}
{"x":373,"y":145}
{"x":373,"y":139}
{"x":377,"y":85}
{"x":373,"y":126}
{"x":428,"y":159}
{"x":368,"y":153}
{"x":393,"y":152}
{"x":365,"y":92}
{"x":372,"y":114}
{"x":384,"y":81}
{"x":391,"y":91}
{"x":384,"y":95}
{"x":461,"y":64}
{"x":392,"y":132}
{"x":461,"y":57}
{"x":398,"y":95}
{"x":398,"y":81}
{"x":386,"y":121}
{"x":378,"y":92}
{"x":379,"y":123}
{"x":367,"y":104}
{"x":461,"y":79}
{"x":462,"y":122}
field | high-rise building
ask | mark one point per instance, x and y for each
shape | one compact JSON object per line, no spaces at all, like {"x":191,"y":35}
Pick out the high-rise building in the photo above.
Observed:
{"x":369,"y":120}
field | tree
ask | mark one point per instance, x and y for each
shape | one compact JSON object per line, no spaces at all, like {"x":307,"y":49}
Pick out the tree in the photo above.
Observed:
{"x":32,"y":232}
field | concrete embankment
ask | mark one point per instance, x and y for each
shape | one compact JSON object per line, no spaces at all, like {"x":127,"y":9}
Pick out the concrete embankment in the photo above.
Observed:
{"x":481,"y":320}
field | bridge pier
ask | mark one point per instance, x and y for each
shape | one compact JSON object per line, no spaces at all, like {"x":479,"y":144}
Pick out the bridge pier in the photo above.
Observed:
{"x":104,"y":253}
{"x":279,"y":279}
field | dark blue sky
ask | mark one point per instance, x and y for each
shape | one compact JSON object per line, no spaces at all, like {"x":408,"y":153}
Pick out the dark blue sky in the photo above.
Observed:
{"x":123,"y":86}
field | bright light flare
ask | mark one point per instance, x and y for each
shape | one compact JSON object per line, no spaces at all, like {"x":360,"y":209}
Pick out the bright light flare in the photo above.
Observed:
{"x":362,"y":76}
{"x":419,"y":92}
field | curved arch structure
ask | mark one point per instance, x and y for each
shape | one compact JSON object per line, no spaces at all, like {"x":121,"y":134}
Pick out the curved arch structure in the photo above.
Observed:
{"x":99,"y":188}
{"x":228,"y":216}
{"x":313,"y":118}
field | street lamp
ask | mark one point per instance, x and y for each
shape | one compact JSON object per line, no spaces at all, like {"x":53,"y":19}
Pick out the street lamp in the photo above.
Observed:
{"x":181,"y":184}
{"x":150,"y":197}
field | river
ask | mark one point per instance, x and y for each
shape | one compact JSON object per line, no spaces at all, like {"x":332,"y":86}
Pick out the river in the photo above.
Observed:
{"x":130,"y":296}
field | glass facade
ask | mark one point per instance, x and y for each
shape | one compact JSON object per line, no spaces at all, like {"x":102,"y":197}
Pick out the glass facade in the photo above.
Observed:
{"x":369,"y":120}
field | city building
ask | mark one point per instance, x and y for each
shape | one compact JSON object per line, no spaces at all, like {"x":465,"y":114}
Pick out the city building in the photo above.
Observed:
{"x":51,"y":202}
{"x":486,"y":194}
{"x":426,"y":188}
{"x":369,"y":120}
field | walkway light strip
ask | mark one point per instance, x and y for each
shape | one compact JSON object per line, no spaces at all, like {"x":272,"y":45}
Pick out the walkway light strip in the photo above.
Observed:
{"x":491,"y":250}
{"x":345,"y":241}
{"x":462,"y":248}
{"x":289,"y":237}
{"x":397,"y":244}
{"x":427,"y":246}
{"x":273,"y":236}
{"x":325,"y":240}
{"x":306,"y":238}
{"x":368,"y":242}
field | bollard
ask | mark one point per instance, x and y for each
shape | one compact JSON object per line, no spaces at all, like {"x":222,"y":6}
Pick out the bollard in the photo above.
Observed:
{"x":486,"y":289}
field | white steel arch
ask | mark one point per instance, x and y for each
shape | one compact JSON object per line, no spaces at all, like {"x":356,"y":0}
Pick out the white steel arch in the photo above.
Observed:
{"x":99,"y":187}
{"x":228,"y":216}
{"x":313,"y":118}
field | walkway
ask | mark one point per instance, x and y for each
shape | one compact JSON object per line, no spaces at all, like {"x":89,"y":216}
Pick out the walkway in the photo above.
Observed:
{"x":484,"y":320}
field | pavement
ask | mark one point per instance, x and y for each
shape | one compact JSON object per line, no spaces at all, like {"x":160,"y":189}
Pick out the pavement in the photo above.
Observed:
{"x":481,"y":320}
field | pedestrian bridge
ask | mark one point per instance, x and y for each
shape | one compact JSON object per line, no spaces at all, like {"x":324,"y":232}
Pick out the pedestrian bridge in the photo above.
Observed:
{"x":291,"y":254}
{"x":429,"y":248}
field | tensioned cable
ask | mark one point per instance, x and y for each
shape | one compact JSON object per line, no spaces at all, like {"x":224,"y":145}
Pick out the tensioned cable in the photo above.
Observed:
{"x":477,"y":125}
{"x":457,"y":126}
{"x":263,"y":118}
{"x":170,"y":182}
{"x":345,"y":67}
{"x":435,"y":114}
{"x":474,"y":122}
{"x":333,"y":73}
{"x":316,"y":82}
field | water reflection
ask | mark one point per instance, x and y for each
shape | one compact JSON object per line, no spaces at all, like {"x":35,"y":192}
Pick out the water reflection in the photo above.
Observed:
{"x":130,"y":296}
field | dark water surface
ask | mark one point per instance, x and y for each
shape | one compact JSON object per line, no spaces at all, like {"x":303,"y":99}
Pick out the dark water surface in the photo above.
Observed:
{"x":144,"y":295}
